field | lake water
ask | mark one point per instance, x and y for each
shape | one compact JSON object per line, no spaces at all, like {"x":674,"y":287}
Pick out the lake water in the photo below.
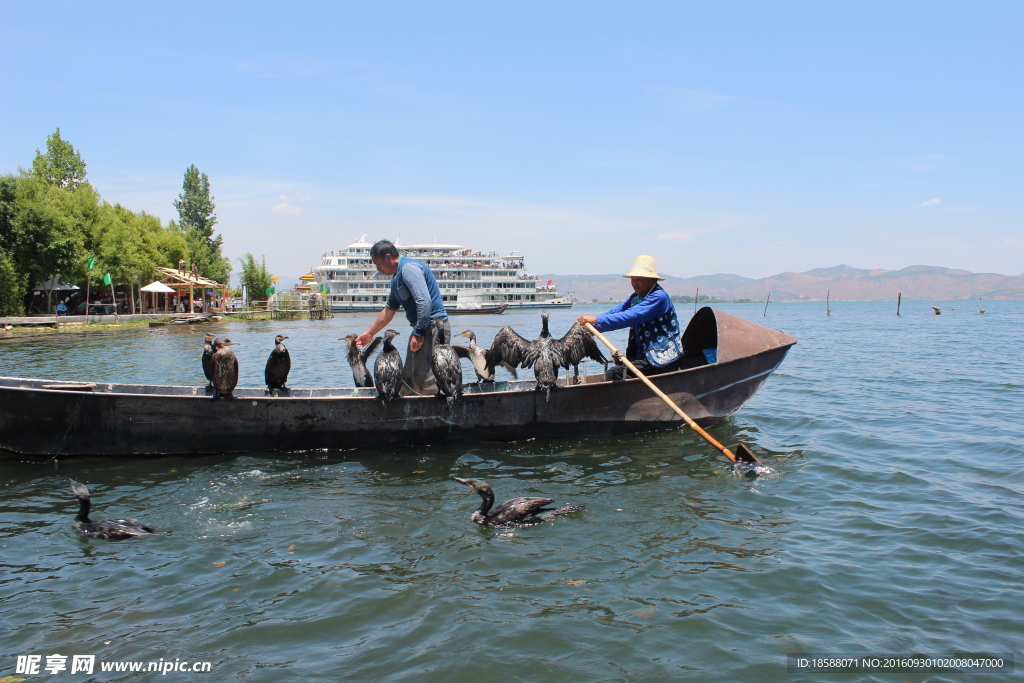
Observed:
{"x":893,"y":523}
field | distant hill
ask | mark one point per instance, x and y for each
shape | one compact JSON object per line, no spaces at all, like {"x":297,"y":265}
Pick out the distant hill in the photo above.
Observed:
{"x":841,"y":282}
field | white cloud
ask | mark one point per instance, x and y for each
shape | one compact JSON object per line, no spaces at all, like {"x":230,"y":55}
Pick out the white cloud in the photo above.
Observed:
{"x":286,"y":208}
{"x":931,"y":202}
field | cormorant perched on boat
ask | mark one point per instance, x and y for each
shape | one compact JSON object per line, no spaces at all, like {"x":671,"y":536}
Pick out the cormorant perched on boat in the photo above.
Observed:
{"x":109,"y":528}
{"x":278,"y":366}
{"x":546,"y":354}
{"x":208,"y":362}
{"x":478,"y":357}
{"x":387,"y":370}
{"x":357,"y":359}
{"x":515,"y":511}
{"x":225,"y":368}
{"x":445,"y":365}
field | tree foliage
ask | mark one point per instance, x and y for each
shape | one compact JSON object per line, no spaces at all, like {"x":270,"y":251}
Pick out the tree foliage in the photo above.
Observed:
{"x":61,"y":166}
{"x":51,"y":221}
{"x":255,"y":277}
{"x":196,"y":219}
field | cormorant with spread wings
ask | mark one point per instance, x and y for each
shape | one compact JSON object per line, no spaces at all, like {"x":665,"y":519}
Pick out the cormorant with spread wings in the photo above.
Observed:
{"x":545,"y":354}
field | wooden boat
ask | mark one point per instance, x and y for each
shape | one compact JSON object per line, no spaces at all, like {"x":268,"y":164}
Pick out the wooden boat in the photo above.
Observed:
{"x":61,"y":418}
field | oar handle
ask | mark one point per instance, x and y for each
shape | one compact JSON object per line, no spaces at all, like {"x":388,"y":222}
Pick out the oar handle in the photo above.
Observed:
{"x":662,"y":395}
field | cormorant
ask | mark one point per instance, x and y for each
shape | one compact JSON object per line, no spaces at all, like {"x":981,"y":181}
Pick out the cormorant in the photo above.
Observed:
{"x":278,"y":366}
{"x":225,"y":368}
{"x":109,"y":528}
{"x":478,"y":357}
{"x":546,"y":354}
{"x":208,"y":362}
{"x":515,"y":511}
{"x":445,"y":365}
{"x":387,"y":370}
{"x":357,"y":359}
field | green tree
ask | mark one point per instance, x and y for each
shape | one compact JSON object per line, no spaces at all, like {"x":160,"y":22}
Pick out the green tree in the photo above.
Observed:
{"x":255,"y":277}
{"x":49,"y":228}
{"x":196,"y":219}
{"x":12,"y":286}
{"x":61,"y":166}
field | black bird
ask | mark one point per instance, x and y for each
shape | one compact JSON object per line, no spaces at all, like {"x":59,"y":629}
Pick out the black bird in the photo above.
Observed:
{"x":225,"y":369}
{"x":387,"y":370}
{"x":515,"y":511}
{"x":478,"y":357}
{"x":357,"y":359}
{"x":578,"y":343}
{"x":208,"y":362}
{"x":113,"y":529}
{"x":446,"y":366}
{"x":278,"y":366}
{"x":546,"y":354}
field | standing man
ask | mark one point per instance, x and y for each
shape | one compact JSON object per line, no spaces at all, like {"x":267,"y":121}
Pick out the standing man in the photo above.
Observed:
{"x":654,"y":346}
{"x":414,"y":288}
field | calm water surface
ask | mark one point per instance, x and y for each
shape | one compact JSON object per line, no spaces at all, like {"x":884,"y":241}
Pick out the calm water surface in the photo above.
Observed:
{"x":893,"y":523}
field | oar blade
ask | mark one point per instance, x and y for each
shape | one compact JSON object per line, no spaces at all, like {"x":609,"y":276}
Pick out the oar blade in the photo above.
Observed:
{"x":744,"y":454}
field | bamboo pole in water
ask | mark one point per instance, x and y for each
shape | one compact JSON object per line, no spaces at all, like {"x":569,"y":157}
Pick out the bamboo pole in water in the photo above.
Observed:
{"x":828,"y":311}
{"x":899,"y":297}
{"x":766,"y":305}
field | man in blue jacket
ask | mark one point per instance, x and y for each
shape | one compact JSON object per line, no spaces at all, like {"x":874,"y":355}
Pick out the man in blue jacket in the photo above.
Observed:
{"x":414,"y":288}
{"x":654,"y":345}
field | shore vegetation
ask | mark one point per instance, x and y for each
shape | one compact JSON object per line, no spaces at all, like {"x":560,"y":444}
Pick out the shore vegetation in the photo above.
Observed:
{"x":54,"y":224}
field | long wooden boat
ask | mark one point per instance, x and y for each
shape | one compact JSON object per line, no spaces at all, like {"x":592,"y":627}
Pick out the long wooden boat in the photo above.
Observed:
{"x":53,"y":418}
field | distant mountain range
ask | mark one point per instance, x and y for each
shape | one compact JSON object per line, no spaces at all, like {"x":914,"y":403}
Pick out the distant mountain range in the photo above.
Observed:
{"x":930,"y":283}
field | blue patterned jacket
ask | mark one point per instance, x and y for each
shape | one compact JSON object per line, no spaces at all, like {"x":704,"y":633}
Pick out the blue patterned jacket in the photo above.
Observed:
{"x":653,"y":327}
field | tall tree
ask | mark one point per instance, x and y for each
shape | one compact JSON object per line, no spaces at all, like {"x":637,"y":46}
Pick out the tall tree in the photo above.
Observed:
{"x":196,"y":219}
{"x":62,"y":165}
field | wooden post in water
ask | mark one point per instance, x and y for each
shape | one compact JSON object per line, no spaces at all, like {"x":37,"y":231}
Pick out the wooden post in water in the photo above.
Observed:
{"x":696,"y":297}
{"x":766,"y":305}
{"x":828,"y":311}
{"x":899,"y":297}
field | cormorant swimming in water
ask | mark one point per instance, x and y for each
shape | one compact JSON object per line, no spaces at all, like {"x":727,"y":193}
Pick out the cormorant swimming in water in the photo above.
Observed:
{"x":109,"y":528}
{"x":515,"y":511}
{"x":478,"y":357}
{"x":445,"y":365}
{"x":357,"y":359}
{"x":208,"y":362}
{"x":225,"y":368}
{"x":546,"y":354}
{"x":387,"y":370}
{"x":278,"y":366}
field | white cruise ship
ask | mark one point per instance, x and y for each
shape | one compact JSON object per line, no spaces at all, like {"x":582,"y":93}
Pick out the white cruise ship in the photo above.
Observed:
{"x":468,"y":279}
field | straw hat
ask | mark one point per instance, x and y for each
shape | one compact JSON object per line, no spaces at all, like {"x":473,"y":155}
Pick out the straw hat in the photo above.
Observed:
{"x":644,"y":266}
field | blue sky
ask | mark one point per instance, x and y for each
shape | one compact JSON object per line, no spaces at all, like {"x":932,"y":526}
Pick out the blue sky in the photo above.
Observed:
{"x":747,"y":138}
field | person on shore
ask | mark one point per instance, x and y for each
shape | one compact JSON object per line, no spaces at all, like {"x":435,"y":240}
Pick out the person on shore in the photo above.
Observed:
{"x":414,"y":288}
{"x":654,"y":336}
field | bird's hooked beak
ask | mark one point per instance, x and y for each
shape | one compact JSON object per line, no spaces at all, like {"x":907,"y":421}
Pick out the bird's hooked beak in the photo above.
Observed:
{"x":347,"y":338}
{"x":464,"y":334}
{"x":464,"y":482}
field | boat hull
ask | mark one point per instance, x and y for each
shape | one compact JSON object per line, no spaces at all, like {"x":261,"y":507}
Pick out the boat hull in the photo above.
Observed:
{"x":41,"y":418}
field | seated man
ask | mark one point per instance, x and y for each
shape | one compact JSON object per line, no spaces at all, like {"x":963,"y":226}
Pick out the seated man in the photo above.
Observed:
{"x":654,"y":346}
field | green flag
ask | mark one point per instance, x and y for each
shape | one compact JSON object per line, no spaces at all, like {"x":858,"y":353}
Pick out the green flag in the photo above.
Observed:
{"x":324,"y":289}
{"x":270,"y":290}
{"x":107,"y":280}
{"x":90,"y":263}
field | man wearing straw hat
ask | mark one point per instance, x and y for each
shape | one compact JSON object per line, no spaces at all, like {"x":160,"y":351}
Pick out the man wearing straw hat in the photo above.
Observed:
{"x":654,"y":346}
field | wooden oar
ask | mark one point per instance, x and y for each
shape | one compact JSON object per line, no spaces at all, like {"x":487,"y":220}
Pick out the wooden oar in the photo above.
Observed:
{"x":743,"y":454}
